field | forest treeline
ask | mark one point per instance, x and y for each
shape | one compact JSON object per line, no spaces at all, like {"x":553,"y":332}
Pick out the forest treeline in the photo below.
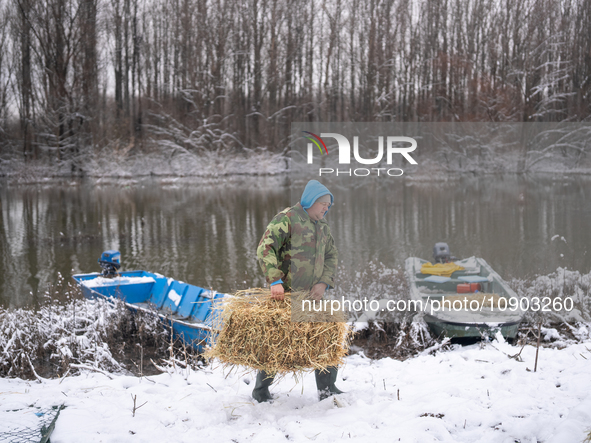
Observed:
{"x":77,"y":76}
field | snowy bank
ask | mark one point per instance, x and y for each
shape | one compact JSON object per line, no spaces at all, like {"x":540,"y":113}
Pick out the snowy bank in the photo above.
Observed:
{"x":468,"y":394}
{"x":173,"y":162}
{"x":57,"y":339}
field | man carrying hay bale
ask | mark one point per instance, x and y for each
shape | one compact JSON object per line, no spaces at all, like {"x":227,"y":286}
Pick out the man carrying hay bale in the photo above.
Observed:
{"x":297,"y":253}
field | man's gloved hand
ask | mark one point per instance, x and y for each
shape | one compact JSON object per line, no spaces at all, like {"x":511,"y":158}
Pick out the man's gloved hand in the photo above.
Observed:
{"x":277,"y":292}
{"x":318,"y":291}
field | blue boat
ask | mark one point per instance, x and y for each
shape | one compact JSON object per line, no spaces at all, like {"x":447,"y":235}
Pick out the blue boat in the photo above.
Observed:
{"x":184,"y":307}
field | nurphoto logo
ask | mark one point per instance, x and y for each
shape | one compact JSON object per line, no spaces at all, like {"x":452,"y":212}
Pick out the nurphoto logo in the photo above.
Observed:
{"x":394,"y":145}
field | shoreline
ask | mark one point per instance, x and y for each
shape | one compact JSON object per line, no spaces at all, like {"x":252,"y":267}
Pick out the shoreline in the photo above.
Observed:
{"x":43,"y":178}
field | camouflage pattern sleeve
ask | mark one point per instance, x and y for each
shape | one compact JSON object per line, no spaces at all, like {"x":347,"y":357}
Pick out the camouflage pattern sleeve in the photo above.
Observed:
{"x":272,"y":246}
{"x":331,"y":256}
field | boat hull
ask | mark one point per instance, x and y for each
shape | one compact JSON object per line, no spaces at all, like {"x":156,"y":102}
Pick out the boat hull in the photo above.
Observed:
{"x":443,"y":328}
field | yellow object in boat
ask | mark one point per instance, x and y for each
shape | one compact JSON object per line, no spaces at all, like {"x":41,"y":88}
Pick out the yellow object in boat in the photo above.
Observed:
{"x":442,"y":269}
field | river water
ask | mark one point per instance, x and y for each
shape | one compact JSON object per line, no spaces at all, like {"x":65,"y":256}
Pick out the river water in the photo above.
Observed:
{"x":206,"y":233}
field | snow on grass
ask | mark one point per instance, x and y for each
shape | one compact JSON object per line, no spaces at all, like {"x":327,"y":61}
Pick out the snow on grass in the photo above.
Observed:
{"x":167,"y":158}
{"x":552,"y":291}
{"x":468,"y":394}
{"x":80,"y":333}
{"x":162,"y":161}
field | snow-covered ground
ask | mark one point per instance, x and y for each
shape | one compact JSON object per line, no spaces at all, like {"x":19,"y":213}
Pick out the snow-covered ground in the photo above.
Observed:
{"x":158,"y":164}
{"x":176,"y":162}
{"x":470,"y":394}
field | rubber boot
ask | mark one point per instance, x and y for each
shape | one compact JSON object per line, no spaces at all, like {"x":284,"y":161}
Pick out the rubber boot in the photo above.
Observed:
{"x":261,"y":388}
{"x":325,"y":382}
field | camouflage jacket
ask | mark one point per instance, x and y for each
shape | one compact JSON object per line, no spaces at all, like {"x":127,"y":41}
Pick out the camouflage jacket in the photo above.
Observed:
{"x":298,"y":250}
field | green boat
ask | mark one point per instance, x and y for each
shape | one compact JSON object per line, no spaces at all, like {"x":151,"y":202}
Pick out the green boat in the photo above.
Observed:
{"x":470,"y":302}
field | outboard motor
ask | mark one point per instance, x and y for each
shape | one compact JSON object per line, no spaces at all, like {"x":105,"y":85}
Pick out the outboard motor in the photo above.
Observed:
{"x":110,"y":262}
{"x":441,"y":253}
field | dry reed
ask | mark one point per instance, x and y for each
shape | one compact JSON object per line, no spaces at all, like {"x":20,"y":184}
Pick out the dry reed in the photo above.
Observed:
{"x":251,"y":329}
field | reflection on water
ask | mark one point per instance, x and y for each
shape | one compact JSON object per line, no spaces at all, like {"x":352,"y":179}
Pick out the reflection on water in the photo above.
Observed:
{"x":207,"y":233}
{"x":509,"y":221}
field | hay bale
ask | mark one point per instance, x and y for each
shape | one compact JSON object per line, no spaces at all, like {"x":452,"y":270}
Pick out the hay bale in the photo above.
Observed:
{"x":251,"y":329}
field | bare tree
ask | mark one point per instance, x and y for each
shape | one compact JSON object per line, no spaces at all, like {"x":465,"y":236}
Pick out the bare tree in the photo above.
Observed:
{"x":204,"y":75}
{"x":23,"y":47}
